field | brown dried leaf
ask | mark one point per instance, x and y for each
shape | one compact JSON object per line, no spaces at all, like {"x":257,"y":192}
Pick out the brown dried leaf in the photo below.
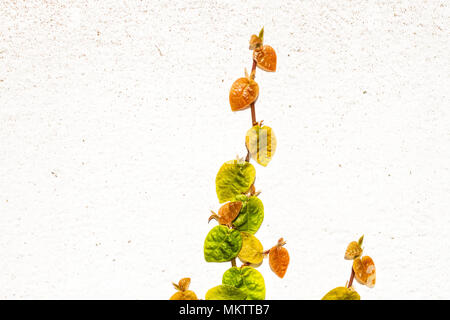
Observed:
{"x":227,"y":213}
{"x":279,"y":259}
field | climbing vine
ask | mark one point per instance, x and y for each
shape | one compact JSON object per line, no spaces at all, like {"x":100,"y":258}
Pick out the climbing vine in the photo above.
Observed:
{"x":363,"y":270}
{"x":242,"y":212}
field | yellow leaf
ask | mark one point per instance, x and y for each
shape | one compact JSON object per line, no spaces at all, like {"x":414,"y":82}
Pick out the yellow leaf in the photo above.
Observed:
{"x":261,"y":143}
{"x":252,"y":249}
{"x":353,"y":251}
{"x":184,"y":295}
{"x":342,"y":293}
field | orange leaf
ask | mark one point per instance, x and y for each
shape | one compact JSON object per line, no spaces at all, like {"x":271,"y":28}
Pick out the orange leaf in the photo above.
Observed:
{"x":266,"y":58}
{"x":183,"y":293}
{"x":227,"y":213}
{"x":184,"y":283}
{"x":243,"y":93}
{"x":279,"y":259}
{"x":365,"y":272}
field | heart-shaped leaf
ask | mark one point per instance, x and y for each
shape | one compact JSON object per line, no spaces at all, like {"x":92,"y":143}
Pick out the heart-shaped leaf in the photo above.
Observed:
{"x":266,"y":58}
{"x":252,"y":249}
{"x":261,"y":143}
{"x":279,"y":258}
{"x":342,"y":293}
{"x":225,"y":292}
{"x":248,"y":280}
{"x":251,"y":216}
{"x":243,"y":92}
{"x":353,"y":251}
{"x":184,"y":295}
{"x":222,"y":244}
{"x":183,"y":284}
{"x":365,"y":272}
{"x":227,"y":213}
{"x":234,"y":177}
{"x":183,"y":292}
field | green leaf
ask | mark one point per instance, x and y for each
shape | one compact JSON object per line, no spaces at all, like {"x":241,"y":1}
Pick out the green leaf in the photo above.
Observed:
{"x":222,"y":244}
{"x":261,"y":34}
{"x":241,"y":197}
{"x":225,"y":292}
{"x":248,"y":280}
{"x":360,"y":241}
{"x":252,"y":249}
{"x":251,"y":216}
{"x":342,"y":293}
{"x":234,"y":177}
{"x":261,"y":143}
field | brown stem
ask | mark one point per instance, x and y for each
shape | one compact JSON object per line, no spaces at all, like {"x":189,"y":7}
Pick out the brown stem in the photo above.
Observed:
{"x":254,"y":123}
{"x":252,"y":108}
{"x":352,"y":276}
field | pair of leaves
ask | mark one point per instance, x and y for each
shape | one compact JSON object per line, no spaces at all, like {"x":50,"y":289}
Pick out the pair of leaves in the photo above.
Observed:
{"x":251,"y":216}
{"x":364,"y":268}
{"x":261,"y":143}
{"x":342,"y":293}
{"x":264,"y":55}
{"x":235,"y":177}
{"x":279,"y":258}
{"x":183,"y":293}
{"x":252,"y":250}
{"x":247,"y":279}
{"x":365,"y":272}
{"x":222,"y":244}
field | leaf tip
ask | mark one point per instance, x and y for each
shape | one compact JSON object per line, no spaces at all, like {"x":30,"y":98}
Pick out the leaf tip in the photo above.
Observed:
{"x":261,"y":34}
{"x":360,"y":241}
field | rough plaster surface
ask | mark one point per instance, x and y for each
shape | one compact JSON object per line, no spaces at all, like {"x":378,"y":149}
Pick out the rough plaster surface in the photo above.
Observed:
{"x":114,"y":120}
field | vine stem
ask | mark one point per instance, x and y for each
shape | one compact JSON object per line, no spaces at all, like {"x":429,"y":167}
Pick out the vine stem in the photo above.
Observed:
{"x":352,"y":276}
{"x":247,"y":158}
{"x":252,"y":108}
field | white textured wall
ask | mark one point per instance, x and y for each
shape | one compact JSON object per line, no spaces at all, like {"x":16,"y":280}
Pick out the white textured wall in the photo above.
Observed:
{"x":114,"y":120}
